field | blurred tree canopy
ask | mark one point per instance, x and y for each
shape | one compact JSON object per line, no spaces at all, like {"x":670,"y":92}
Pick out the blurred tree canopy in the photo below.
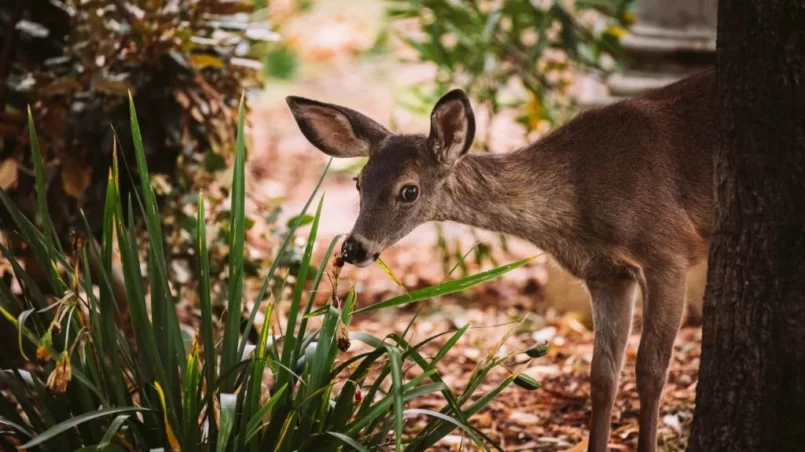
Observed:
{"x":486,"y":46}
{"x":185,"y":62}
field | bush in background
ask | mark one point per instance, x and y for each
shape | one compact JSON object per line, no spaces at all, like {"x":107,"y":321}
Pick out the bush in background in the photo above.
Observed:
{"x":74,"y":61}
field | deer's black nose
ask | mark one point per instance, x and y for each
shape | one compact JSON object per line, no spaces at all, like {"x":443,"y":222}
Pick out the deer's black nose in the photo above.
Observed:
{"x":352,"y":251}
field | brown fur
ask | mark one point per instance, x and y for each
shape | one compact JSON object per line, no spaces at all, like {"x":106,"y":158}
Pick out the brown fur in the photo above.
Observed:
{"x":621,"y":196}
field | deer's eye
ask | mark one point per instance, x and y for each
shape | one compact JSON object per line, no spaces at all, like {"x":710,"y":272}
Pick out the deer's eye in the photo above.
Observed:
{"x":409,"y":193}
{"x":357,"y":184}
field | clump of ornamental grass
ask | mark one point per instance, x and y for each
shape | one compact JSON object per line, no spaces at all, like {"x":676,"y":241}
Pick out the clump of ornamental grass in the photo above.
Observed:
{"x":93,"y":389}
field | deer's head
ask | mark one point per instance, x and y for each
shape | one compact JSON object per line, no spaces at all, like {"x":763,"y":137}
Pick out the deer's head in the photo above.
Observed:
{"x":401,"y":185}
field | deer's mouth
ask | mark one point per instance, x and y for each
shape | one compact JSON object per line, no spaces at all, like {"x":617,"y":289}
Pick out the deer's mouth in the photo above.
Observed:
{"x":365,"y":263}
{"x":355,"y":252}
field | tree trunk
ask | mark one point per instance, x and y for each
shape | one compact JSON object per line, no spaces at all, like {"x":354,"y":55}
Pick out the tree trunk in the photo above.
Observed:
{"x":751,"y":390}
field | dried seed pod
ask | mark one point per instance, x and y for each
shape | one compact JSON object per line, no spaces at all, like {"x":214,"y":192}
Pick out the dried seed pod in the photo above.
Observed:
{"x":42,"y":354}
{"x":537,"y":350}
{"x":77,"y":242}
{"x":527,"y":382}
{"x":61,"y":375}
{"x":43,"y":350}
{"x":339,"y":261}
{"x":342,"y":337}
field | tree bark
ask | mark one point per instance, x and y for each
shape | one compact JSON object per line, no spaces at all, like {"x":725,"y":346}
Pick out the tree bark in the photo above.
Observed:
{"x":751,"y":390}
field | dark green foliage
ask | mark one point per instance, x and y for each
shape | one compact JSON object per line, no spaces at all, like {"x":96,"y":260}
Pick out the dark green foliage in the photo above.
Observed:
{"x":487,"y":46}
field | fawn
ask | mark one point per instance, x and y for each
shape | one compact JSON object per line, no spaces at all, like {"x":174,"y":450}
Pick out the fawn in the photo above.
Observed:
{"x":621,"y":196}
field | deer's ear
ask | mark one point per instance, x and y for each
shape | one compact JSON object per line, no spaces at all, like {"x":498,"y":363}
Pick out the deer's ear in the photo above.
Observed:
{"x":452,"y":127}
{"x":337,"y":131}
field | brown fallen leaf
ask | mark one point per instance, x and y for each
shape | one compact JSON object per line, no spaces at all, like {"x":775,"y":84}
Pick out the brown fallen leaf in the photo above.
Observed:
{"x":75,"y":176}
{"x":8,"y":173}
{"x":580,"y":447}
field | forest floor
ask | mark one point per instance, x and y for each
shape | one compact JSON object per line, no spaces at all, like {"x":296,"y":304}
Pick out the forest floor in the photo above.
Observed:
{"x":283,"y":165}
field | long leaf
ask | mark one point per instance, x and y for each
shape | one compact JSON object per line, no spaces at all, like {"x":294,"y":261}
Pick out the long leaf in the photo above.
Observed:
{"x":228,"y":414}
{"x":432,"y":436}
{"x":75,"y":421}
{"x":465,"y":427}
{"x":192,"y":390}
{"x":41,"y":194}
{"x":319,"y":371}
{"x":288,"y":345}
{"x":253,"y":427}
{"x":207,"y":332}
{"x":396,"y":390}
{"x":313,"y":292}
{"x":274,"y":265}
{"x":110,"y":334}
{"x":237,"y":230}
{"x":112,"y":430}
{"x":16,"y":426}
{"x":163,"y":309}
{"x":349,"y":441}
{"x":446,"y":288}
{"x":252,"y":398}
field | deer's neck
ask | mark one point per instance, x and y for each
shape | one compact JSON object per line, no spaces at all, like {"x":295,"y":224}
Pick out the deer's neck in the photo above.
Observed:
{"x":510,"y":193}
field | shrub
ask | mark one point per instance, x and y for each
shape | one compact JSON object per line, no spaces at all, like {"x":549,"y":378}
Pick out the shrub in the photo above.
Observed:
{"x":91,"y":389}
{"x":486,"y":47}
{"x":185,"y":62}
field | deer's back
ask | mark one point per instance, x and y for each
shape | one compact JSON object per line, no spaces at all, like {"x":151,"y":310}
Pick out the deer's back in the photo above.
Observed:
{"x":640,"y":173}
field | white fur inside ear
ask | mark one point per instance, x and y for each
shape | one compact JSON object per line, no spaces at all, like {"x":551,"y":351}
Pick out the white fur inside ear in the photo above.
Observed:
{"x":335,"y":131}
{"x":450,"y":123}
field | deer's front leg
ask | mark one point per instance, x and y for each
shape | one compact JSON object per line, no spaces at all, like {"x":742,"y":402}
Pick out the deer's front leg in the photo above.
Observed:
{"x":613,"y":300}
{"x":662,"y":314}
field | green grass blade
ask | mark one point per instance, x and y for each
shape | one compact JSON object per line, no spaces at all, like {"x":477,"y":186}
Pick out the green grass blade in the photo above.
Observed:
{"x":190,"y":406}
{"x":41,"y":194}
{"x":228,"y":415}
{"x":252,"y":399}
{"x":17,"y":386}
{"x":446,"y":288}
{"x":322,"y":362}
{"x":109,"y":332}
{"x":426,"y":366}
{"x":346,"y":400}
{"x":207,"y":331}
{"x":112,"y":430}
{"x":448,"y":345}
{"x":381,"y":407}
{"x":274,"y":265}
{"x":163,"y":309}
{"x":21,"y":322}
{"x":150,"y":365}
{"x":349,"y":441}
{"x":313,"y":290}
{"x":26,"y":282}
{"x":445,"y":429}
{"x":237,"y":230}
{"x":34,"y":239}
{"x":289,"y":343}
{"x":463,"y":426}
{"x":396,"y":390}
{"x":76,"y":421}
{"x":16,"y":426}
{"x":253,"y":426}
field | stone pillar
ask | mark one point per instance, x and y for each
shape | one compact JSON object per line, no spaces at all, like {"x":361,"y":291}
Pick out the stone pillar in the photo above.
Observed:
{"x":669,"y":40}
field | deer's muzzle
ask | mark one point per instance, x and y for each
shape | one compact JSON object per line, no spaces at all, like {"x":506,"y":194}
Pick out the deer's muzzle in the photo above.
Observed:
{"x":355,"y":253}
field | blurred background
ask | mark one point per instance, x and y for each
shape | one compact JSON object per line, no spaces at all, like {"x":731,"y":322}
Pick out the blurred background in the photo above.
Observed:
{"x":527,"y":65}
